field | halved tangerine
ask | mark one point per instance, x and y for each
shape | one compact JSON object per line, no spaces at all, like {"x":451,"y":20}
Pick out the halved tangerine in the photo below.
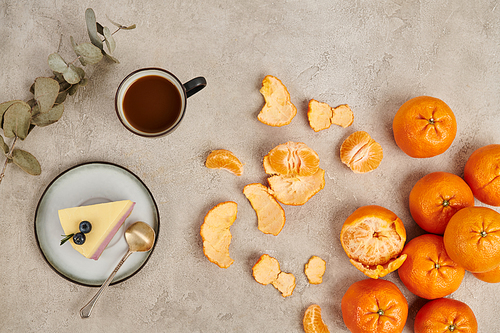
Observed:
{"x":278,"y":110}
{"x":361,"y":153}
{"x":373,"y":238}
{"x":291,"y":159}
{"x":312,"y":322}
{"x":224,"y":159}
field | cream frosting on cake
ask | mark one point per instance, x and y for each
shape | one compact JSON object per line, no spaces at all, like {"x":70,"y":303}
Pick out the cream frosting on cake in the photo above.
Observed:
{"x":106,"y":219}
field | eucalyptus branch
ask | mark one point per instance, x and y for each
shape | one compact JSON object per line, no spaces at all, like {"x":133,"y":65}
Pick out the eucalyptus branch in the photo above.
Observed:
{"x":18,"y":118}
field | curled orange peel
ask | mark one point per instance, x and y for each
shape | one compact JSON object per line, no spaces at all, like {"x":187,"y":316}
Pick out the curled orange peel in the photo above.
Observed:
{"x":267,"y":271}
{"x":270,"y":215}
{"x":216,"y":235}
{"x":322,"y":115}
{"x":278,"y":110}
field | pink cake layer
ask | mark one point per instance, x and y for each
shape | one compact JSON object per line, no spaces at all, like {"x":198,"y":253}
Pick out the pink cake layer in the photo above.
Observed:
{"x":110,"y":236}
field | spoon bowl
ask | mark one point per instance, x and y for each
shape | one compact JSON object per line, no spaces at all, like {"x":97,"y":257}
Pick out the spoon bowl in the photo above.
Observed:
{"x":140,"y":237}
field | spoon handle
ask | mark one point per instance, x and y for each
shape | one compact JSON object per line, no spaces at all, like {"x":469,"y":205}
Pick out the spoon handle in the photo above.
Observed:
{"x":87,"y":309}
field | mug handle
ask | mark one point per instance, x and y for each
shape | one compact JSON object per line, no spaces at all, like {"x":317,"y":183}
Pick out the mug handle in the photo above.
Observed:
{"x":194,"y":85}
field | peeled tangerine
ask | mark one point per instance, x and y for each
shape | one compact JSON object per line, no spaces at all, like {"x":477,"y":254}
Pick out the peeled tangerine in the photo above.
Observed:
{"x":270,"y":215}
{"x":361,"y":153}
{"x":315,"y":269}
{"x":373,"y":238}
{"x":224,"y":159}
{"x":267,"y":271}
{"x":312,"y":322}
{"x":278,"y":110}
{"x":216,"y":235}
{"x":296,"y":175}
{"x":322,"y":115}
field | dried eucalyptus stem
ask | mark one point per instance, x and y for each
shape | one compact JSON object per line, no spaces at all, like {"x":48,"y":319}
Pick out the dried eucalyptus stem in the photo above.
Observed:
{"x":19,"y":118}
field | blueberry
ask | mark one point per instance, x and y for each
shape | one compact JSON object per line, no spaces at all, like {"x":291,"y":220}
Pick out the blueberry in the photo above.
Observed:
{"x":85,"y":227}
{"x":79,"y":238}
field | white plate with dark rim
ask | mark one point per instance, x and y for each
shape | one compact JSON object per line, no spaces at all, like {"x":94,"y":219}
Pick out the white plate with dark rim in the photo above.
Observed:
{"x":87,"y":184}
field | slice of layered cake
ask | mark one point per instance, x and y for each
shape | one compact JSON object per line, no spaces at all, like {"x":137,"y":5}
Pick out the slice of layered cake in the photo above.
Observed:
{"x":91,"y":228}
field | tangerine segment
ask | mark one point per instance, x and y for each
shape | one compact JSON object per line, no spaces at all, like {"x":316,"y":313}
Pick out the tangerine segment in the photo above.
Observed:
{"x":216,"y":235}
{"x":424,"y":127}
{"x":278,"y":110}
{"x":361,"y":153}
{"x":312,"y":322}
{"x":373,"y":238}
{"x":291,"y":159}
{"x":445,"y":315}
{"x":472,"y":239}
{"x":322,"y":115}
{"x":315,"y":269}
{"x":266,"y":269}
{"x":428,"y":271}
{"x":285,"y":283}
{"x":374,"y":306}
{"x":296,"y":190}
{"x":492,"y":276}
{"x":482,"y":173}
{"x":270,"y":215}
{"x":224,"y":159}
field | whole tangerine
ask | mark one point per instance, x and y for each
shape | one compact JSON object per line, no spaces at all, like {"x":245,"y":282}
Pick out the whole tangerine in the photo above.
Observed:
{"x":436,"y":197}
{"x":472,"y":239}
{"x":375,"y":306}
{"x":428,"y":271}
{"x":424,"y":127}
{"x":482,"y":173}
{"x":445,"y":315}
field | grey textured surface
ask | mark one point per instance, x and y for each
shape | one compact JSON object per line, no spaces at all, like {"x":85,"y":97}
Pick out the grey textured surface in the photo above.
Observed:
{"x":371,"y":55}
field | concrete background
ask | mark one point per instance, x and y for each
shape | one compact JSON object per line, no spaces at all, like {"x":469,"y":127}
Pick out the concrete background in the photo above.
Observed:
{"x":371,"y":55}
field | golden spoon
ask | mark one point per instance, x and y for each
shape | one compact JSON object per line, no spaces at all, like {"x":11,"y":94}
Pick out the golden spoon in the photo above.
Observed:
{"x":140,"y":237}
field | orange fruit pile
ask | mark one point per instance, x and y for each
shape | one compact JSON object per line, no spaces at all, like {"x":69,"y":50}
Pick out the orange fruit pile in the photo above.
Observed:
{"x":216,"y":235}
{"x":445,"y":315}
{"x":373,"y":238}
{"x":267,"y":271}
{"x":424,"y":126}
{"x":374,"y":306}
{"x":312,"y":321}
{"x":472,"y":239}
{"x":361,"y":153}
{"x":428,"y":272}
{"x":322,"y":115}
{"x":482,"y":173}
{"x":224,"y":159}
{"x":278,"y":110}
{"x":436,"y":197}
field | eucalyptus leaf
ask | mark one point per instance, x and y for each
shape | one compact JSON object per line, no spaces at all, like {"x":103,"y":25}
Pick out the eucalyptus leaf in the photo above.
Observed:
{"x":26,"y":162}
{"x":17,"y":120}
{"x":35,"y":109}
{"x":73,"y":89}
{"x":79,"y":70}
{"x":57,"y":63}
{"x":58,"y":77}
{"x":92,"y":28}
{"x":31,"y":103}
{"x":4,"y":146}
{"x":110,"y":41}
{"x":121,"y":26}
{"x":32,"y":88}
{"x":4,"y":106}
{"x":46,"y":91}
{"x":83,"y":82}
{"x":71,"y":76}
{"x":110,"y":57}
{"x":61,"y":97}
{"x":47,"y":118}
{"x":89,"y":53}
